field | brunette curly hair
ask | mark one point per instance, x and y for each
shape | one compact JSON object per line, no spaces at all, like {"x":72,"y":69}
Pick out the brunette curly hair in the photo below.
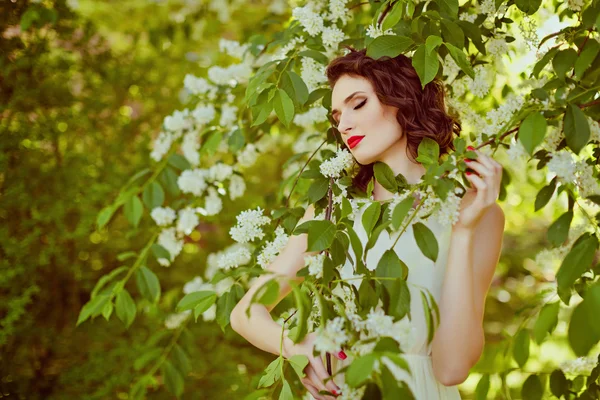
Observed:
{"x":421,"y":112}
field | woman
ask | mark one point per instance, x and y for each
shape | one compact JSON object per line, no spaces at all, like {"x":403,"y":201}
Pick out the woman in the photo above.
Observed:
{"x":382,"y":115}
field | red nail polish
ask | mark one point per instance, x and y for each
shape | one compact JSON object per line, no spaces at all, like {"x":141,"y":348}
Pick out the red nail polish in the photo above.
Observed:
{"x":470,"y":148}
{"x":334,"y":392}
{"x":468,"y":173}
{"x":468,"y":160}
{"x":342,"y":355}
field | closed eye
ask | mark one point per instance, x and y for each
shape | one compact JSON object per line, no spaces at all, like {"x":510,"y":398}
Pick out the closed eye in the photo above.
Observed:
{"x":356,"y":108}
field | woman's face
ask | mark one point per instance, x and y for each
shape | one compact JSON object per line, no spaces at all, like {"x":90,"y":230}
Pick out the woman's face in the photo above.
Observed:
{"x":358,"y":112}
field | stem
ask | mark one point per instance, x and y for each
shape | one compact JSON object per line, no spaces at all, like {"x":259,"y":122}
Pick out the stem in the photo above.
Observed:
{"x":169,"y":348}
{"x":408,"y":222}
{"x":287,"y":202}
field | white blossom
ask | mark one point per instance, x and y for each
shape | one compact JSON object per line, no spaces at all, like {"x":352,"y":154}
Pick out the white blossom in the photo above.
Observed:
{"x":332,"y":36}
{"x":480,"y":86}
{"x":312,"y":116}
{"x":332,"y":337}
{"x":168,"y":239}
{"x":248,"y":156}
{"x":231,"y":75}
{"x":576,"y":5}
{"x":449,"y":211}
{"x":192,"y":181}
{"x":563,"y":165}
{"x":272,"y":249}
{"x":465,"y":16}
{"x":219,"y":172}
{"x":309,"y":19}
{"x":375,"y":31}
{"x":190,"y":147}
{"x":195,"y":85}
{"x":237,"y":187}
{"x":312,"y":73}
{"x":197,"y":285}
{"x":174,"y":321}
{"x":248,"y":226}
{"x":579,"y":366}
{"x":163,"y":215}
{"x":187,"y":221}
{"x":161,"y":145}
{"x":213,"y":204}
{"x":497,"y":47}
{"x":232,"y":48}
{"x":334,"y":166}
{"x":516,"y":151}
{"x":338,"y":11}
{"x":203,"y":114}
{"x":228,"y":115}
{"x":586,"y":181}
{"x":234,"y":257}
{"x":178,"y":121}
{"x":315,"y":264}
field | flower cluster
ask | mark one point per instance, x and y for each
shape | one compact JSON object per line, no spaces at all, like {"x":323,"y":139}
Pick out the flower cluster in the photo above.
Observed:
{"x":248,"y":226}
{"x":333,"y":167}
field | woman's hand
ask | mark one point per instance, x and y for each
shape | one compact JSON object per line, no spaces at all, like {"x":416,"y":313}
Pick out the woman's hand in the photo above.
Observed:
{"x":316,"y":373}
{"x":486,"y":182}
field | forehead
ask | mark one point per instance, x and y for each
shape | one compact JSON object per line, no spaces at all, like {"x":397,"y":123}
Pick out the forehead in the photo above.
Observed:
{"x":345,"y":86}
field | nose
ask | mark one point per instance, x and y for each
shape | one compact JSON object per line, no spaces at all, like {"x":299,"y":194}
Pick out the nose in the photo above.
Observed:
{"x":344,"y":126}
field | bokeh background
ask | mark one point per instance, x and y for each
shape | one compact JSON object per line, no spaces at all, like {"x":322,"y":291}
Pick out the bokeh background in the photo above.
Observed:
{"x":84,"y":88}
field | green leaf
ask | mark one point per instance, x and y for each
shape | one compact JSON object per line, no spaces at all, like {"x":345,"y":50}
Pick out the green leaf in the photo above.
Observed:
{"x":544,"y":195}
{"x":125,"y":307}
{"x":532,"y":131}
{"x":133,"y":210}
{"x":300,"y":88}
{"x":528,"y":6}
{"x":559,"y":385}
{"x":461,"y":59}
{"x":390,"y":266}
{"x":483,"y":387}
{"x":105,"y":215}
{"x":320,"y":234}
{"x":521,"y":347}
{"x":298,"y":363}
{"x":584,"y":327}
{"x":428,"y":152}
{"x":393,"y":17}
{"x":284,"y":107}
{"x":360,"y":370}
{"x":160,"y":252}
{"x":107,"y":310}
{"x":154,"y":195}
{"x":432,"y":42}
{"x":261,"y":112}
{"x":576,"y":128}
{"x":268,"y":293}
{"x":318,"y":189}
{"x":272,"y":373}
{"x":452,"y":33}
{"x":399,"y":305}
{"x":587,"y":56}
{"x":558,"y":232}
{"x":367,"y":297}
{"x":563,"y":62}
{"x":537,"y":68}
{"x":93,"y":308}
{"x":577,"y":262}
{"x":385,"y":176}
{"x":107,"y":278}
{"x":401,"y":211}
{"x":226,"y":303}
{"x":148,"y":284}
{"x":195,"y":299}
{"x":546,"y":321}
{"x":431,"y":325}
{"x":426,"y":241}
{"x":180,"y":360}
{"x":211,"y":143}
{"x":146,"y":357}
{"x":449,"y":7}
{"x":180,"y":162}
{"x":173,"y":380}
{"x":426,"y":64}
{"x":286,"y":391}
{"x":532,"y":388}
{"x":388,"y":46}
{"x":370,"y":216}
{"x":303,"y":306}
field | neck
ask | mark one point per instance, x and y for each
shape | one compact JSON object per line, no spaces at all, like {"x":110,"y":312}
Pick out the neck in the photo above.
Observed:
{"x":397,"y":159}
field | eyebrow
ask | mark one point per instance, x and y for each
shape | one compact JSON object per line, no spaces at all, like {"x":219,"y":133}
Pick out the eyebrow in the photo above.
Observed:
{"x":334,"y":112}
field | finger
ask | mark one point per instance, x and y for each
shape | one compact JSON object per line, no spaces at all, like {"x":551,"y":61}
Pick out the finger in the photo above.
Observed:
{"x":311,"y":389}
{"x":477,"y":181}
{"x":315,"y":380}
{"x":317,"y":364}
{"x":340,"y":355}
{"x":481,"y":169}
{"x":484,"y":159}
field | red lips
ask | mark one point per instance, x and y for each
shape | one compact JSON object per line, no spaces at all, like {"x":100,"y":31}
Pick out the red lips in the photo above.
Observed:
{"x":353,"y":141}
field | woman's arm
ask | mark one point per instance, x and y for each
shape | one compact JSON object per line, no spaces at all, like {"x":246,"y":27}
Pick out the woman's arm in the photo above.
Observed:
{"x":260,"y":329}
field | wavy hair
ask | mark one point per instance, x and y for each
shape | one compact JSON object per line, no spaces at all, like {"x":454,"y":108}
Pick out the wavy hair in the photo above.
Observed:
{"x":421,"y":112}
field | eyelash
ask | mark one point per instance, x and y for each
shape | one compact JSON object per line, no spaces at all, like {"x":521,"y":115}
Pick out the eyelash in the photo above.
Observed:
{"x":357,"y":107}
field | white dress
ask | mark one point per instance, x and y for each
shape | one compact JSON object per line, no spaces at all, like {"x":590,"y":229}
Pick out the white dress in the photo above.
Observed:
{"x":423,"y":273}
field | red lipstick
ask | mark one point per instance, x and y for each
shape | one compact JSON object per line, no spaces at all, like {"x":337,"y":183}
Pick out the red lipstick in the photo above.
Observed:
{"x":354,"y":140}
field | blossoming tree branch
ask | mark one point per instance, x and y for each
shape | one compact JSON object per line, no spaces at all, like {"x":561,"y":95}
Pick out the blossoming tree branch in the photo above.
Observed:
{"x":273,"y":98}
